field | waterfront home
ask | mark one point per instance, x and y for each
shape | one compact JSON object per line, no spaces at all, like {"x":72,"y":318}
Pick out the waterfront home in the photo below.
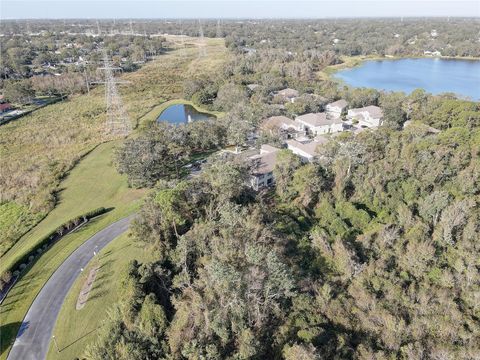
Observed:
{"x":262,"y":164}
{"x":369,"y":116}
{"x":336,"y":108}
{"x":319,"y":123}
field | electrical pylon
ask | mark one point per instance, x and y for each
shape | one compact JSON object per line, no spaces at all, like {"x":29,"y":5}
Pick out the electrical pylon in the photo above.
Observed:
{"x":118,"y":123}
{"x":203,"y":45}
{"x":219,"y":30}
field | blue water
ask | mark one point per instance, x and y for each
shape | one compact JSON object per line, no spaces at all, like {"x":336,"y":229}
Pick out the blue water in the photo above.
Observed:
{"x":435,"y":75}
{"x":182,"y":113}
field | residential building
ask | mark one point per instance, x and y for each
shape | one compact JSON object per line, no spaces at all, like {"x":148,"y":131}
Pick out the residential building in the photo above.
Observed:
{"x":319,"y":123}
{"x":261,"y":175}
{"x":369,"y":116}
{"x":283,"y":126}
{"x":307,"y":151}
{"x":336,"y":108}
{"x":286,"y":95}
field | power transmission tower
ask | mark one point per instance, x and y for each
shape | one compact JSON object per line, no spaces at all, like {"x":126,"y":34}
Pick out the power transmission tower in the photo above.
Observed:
{"x":118,"y":123}
{"x":202,"y":47}
{"x":219,"y":30}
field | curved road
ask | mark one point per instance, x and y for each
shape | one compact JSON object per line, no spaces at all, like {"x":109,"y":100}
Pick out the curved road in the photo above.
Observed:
{"x":33,"y":338}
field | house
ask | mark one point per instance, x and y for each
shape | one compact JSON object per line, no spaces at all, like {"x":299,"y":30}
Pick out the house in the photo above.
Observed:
{"x":286,"y":95}
{"x":281,"y":125}
{"x":307,"y":151}
{"x":262,"y":165}
{"x":432,"y":53}
{"x":4,"y":107}
{"x":336,"y":108}
{"x":369,"y":116}
{"x":319,"y":123}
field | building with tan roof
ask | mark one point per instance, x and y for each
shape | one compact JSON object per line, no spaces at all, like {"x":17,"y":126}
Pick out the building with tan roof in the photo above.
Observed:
{"x":336,"y":108}
{"x":307,"y":151}
{"x":368,"y":116}
{"x":262,"y":166}
{"x":319,"y":123}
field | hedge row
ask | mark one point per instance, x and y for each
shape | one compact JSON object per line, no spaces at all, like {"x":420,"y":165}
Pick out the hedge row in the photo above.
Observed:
{"x":49,"y":239}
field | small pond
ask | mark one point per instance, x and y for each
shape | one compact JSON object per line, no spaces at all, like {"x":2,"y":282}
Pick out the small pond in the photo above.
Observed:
{"x":183,"y":113}
{"x":435,"y":75}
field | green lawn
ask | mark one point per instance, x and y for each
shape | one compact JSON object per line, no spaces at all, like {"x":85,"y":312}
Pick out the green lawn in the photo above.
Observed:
{"x":93,"y":183}
{"x":75,"y":329}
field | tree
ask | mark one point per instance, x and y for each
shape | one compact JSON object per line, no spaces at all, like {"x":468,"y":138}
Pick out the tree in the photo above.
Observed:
{"x":19,"y":91}
{"x":283,"y":172}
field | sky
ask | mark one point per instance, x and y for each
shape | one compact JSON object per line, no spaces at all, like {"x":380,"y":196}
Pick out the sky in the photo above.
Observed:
{"x":131,"y":9}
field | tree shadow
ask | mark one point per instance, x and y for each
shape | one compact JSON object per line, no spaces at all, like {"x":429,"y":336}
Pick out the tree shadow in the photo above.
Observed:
{"x":8,"y":333}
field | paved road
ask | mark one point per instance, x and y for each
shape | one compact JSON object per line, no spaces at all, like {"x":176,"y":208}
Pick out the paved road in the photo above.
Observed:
{"x":33,"y":338}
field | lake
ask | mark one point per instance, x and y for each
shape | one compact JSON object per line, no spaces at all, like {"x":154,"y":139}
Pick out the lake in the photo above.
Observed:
{"x":182,"y":113}
{"x":435,"y":75}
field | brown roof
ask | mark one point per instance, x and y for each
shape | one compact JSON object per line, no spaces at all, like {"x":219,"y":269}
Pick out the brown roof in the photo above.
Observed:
{"x":339,"y":103}
{"x":374,"y":111}
{"x":309,"y":148}
{"x":288,"y":92}
{"x":264,"y":163}
{"x":317,"y":119}
{"x":278,"y":121}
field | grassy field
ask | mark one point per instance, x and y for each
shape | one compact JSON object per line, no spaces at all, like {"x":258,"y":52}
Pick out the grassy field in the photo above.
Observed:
{"x":77,"y":328}
{"x":93,"y":183}
{"x":37,"y":151}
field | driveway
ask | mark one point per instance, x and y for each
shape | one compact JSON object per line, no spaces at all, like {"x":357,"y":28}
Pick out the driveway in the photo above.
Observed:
{"x":33,"y":338}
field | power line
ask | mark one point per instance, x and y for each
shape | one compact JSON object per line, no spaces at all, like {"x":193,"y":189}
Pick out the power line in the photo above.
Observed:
{"x":118,"y":122}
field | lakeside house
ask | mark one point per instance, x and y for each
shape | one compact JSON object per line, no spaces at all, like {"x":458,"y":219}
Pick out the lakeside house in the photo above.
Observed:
{"x":307,"y":151}
{"x":286,"y":95}
{"x":368,"y":116}
{"x":336,"y":108}
{"x":319,"y":123}
{"x":261,"y":175}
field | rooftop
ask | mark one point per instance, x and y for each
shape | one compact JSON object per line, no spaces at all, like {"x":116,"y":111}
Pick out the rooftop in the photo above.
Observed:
{"x":309,"y":148}
{"x":317,"y":119}
{"x":339,"y":103}
{"x":264,"y":163}
{"x":278,"y":121}
{"x":373,"y":111}
{"x":288,"y":92}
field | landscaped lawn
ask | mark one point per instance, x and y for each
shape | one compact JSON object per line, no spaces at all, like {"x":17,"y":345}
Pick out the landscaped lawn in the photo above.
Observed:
{"x":93,"y":183}
{"x":75,"y":329}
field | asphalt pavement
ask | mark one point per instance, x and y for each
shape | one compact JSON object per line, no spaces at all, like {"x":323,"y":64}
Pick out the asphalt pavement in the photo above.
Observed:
{"x":33,"y":338}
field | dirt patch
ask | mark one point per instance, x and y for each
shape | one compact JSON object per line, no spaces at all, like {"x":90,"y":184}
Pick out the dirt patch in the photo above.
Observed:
{"x":87,"y":286}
